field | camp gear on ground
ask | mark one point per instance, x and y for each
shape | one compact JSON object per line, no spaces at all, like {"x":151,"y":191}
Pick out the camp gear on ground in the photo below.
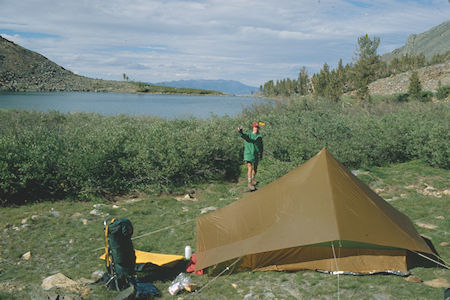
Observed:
{"x":320,"y":217}
{"x":121,"y":247}
{"x":123,"y":261}
{"x":187,"y":252}
{"x":119,"y":254}
{"x":253,"y":147}
{"x":191,"y":265}
{"x":182,"y":281}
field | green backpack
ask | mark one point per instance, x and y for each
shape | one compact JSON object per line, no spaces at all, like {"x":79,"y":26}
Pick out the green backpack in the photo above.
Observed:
{"x":121,"y":250}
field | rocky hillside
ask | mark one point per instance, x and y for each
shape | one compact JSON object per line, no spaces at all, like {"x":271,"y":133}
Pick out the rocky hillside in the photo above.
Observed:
{"x":25,"y":70}
{"x":432,"y":42}
{"x":429,"y":78}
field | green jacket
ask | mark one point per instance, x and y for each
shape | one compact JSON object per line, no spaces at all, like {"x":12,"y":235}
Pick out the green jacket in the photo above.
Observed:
{"x":253,"y":148}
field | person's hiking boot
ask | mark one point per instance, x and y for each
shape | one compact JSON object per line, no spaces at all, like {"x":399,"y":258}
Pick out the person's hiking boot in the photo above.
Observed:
{"x":254,"y":182}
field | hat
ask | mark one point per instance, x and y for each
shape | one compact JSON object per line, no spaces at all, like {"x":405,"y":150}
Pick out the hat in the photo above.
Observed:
{"x":255,"y":124}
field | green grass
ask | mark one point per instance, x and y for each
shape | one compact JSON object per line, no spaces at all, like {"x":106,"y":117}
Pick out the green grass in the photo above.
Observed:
{"x":59,"y":242}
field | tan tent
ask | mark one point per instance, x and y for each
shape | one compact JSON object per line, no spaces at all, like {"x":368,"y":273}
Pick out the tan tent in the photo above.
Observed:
{"x":319,"y":217}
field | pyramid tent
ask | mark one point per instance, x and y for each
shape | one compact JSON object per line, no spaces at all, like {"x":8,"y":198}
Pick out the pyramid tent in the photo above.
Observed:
{"x":318,"y":216}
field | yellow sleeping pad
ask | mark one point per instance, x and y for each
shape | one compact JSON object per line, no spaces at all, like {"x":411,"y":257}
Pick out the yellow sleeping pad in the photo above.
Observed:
{"x":158,"y":259}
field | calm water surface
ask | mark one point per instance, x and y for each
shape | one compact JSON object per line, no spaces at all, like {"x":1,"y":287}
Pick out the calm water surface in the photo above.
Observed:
{"x":166,"y":106}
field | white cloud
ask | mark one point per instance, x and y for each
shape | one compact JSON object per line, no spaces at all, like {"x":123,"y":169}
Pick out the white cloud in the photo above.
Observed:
{"x":250,"y":41}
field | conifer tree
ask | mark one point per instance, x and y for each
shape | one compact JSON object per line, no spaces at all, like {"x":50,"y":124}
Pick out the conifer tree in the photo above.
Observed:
{"x":415,"y":87}
{"x":367,"y":65}
{"x":303,"y":82}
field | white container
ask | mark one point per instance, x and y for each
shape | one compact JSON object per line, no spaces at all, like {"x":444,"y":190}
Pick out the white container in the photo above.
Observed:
{"x":187,"y":252}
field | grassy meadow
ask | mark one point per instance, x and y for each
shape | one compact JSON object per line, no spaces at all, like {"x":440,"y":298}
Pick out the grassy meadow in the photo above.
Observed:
{"x":62,"y":174}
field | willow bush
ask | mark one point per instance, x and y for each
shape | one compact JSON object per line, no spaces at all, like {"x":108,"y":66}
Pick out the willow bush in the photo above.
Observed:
{"x":52,"y":155}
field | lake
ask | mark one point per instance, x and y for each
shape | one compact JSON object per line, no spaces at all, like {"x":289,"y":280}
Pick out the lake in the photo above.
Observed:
{"x":166,"y":106}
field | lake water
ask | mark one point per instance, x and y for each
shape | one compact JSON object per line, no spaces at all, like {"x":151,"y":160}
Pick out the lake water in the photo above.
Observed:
{"x":166,"y":106}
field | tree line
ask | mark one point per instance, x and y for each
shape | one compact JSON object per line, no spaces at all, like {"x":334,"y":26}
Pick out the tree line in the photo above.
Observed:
{"x":366,"y":68}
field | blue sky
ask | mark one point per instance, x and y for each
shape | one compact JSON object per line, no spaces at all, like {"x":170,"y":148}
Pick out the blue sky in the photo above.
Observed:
{"x":246,"y":40}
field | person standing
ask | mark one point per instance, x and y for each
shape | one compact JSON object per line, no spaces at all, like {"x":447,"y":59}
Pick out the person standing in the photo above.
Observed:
{"x":253,"y":152}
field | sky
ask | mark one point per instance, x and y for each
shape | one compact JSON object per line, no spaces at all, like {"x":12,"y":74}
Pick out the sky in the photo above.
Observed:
{"x":245,"y":40}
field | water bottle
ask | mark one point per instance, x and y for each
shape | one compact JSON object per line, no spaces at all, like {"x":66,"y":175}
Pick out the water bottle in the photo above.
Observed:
{"x":187,"y":252}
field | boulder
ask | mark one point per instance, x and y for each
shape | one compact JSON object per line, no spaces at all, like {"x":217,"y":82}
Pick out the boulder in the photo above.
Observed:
{"x":60,"y":281}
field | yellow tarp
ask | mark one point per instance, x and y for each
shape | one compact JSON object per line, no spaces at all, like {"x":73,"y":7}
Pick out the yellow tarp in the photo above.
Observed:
{"x":159,"y":259}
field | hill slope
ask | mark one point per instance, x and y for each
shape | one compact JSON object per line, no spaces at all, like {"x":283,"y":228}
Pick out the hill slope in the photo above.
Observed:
{"x":25,"y":70}
{"x":398,"y":83}
{"x":432,"y":42}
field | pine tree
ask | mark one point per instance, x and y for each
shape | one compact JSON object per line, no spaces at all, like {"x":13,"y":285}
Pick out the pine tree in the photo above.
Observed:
{"x":334,"y":88}
{"x":303,"y":82}
{"x":415,"y":87}
{"x":367,"y":65}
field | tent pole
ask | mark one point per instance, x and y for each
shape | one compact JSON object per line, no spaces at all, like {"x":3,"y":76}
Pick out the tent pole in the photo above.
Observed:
{"x":337,"y":267}
{"x":435,"y":261}
{"x":226,"y":269}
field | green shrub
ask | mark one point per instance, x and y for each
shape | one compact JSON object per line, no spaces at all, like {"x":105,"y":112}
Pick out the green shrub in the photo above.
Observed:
{"x":443,"y":92}
{"x":425,"y":96}
{"x":58,"y":156}
{"x":402,"y":97}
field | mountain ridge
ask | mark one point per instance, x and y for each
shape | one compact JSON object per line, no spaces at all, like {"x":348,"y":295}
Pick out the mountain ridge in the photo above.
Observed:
{"x":225,"y":86}
{"x":431,"y":42}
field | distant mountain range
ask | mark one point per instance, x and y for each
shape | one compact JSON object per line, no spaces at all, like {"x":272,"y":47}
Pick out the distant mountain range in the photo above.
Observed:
{"x":225,"y":86}
{"x":431,"y":42}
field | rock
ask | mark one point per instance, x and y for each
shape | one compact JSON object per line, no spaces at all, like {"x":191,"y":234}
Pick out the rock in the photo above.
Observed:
{"x":438,"y":283}
{"x":39,"y":294}
{"x":60,"y":281}
{"x":439,"y":217}
{"x":34,"y":217}
{"x":403,"y":195}
{"x":249,"y":296}
{"x":24,"y":221}
{"x":186,"y":197}
{"x":206,"y":209}
{"x":446,"y":192}
{"x":444,"y":244}
{"x":413,"y":278}
{"x":97,"y":275}
{"x":85,"y":222}
{"x":429,"y":188}
{"x":269,"y":295}
{"x":115,"y":206}
{"x":76,"y":215}
{"x":98,"y":205}
{"x":234,"y":285}
{"x":426,"y":225}
{"x":55,"y":213}
{"x":95,"y":212}
{"x":26,"y":256}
